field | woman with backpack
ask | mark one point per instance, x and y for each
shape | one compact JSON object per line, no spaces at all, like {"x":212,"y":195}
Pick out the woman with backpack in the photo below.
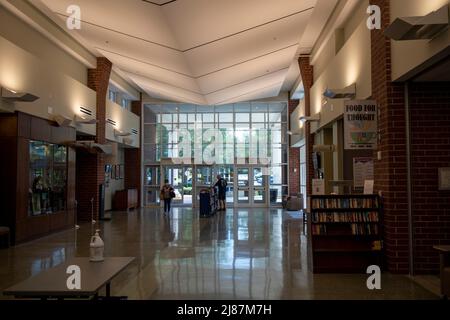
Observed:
{"x":167,"y":194}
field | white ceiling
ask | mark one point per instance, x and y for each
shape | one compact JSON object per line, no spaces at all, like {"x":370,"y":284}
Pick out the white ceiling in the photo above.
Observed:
{"x":200,"y":51}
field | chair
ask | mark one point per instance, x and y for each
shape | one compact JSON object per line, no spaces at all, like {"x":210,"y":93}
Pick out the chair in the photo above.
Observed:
{"x":295,"y":203}
{"x":4,"y":232}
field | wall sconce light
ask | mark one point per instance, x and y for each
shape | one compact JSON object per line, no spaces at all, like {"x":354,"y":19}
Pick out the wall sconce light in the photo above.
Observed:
{"x":14,"y":96}
{"x":82,"y":120}
{"x":62,"y":121}
{"x":346,"y":93}
{"x":92,"y":146}
{"x":314,"y":118}
{"x":419,"y":28}
{"x":118,"y":133}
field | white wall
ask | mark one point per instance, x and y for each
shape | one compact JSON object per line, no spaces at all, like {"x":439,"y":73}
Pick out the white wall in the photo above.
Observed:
{"x":117,"y":157}
{"x":27,"y":38}
{"x":126,"y":121}
{"x":351,"y":65}
{"x":23,"y":72}
{"x":297,"y":128}
{"x":340,"y":27}
{"x":407,"y":55}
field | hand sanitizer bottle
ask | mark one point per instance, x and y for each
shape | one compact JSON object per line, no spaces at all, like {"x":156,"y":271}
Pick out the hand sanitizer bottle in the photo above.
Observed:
{"x":97,"y":248}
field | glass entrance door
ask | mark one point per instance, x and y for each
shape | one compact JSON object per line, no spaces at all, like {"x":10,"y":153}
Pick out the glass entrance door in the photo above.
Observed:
{"x":259,"y":186}
{"x":252,"y":187}
{"x":243,"y":187}
{"x":152,"y":185}
{"x":227,"y":172}
{"x":181,"y":180}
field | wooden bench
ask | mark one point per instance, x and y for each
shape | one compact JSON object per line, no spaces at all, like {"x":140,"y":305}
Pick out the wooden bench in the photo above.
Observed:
{"x":4,"y":233}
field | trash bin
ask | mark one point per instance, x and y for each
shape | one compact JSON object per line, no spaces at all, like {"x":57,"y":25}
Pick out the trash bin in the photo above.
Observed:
{"x":205,"y":208}
{"x":273,"y":195}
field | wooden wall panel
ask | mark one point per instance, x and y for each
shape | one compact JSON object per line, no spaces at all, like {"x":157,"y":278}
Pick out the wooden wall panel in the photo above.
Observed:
{"x":71,"y":178}
{"x":58,"y":221}
{"x":8,"y":167}
{"x":23,"y":125}
{"x":16,"y":131}
{"x":8,"y":127}
{"x":23,"y":172}
{"x":40,"y":130}
{"x":62,"y":135}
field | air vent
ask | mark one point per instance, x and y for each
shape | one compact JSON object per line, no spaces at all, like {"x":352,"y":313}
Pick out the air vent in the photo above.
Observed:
{"x":134,"y":131}
{"x":111,"y":122}
{"x":86,"y":111}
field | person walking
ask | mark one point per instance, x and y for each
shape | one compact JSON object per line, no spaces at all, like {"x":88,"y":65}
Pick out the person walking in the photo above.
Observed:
{"x":167,"y":194}
{"x":221,"y":185}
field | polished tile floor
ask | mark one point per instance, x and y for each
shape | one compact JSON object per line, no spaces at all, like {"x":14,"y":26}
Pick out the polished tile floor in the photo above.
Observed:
{"x":240,"y":254}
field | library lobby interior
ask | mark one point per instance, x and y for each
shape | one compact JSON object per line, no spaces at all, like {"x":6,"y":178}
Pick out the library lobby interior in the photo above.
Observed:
{"x":225,"y":149}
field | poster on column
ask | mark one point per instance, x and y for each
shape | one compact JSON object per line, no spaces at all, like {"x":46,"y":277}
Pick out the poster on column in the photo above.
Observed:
{"x":362,"y":171}
{"x":360,"y":125}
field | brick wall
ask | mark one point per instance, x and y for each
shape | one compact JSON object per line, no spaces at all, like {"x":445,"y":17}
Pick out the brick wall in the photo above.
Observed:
{"x":307,"y":74}
{"x":133,"y":163}
{"x":390,"y":172}
{"x":98,"y":80}
{"x":91,"y":167}
{"x":294,"y":158}
{"x":430,"y":150}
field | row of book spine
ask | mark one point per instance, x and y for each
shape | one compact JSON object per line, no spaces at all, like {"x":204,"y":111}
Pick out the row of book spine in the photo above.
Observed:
{"x":349,"y":203}
{"x":356,"y":229}
{"x":330,"y":217}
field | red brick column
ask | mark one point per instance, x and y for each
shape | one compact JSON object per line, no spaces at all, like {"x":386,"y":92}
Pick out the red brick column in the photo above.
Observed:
{"x":294,"y":158}
{"x":133,"y":163}
{"x":91,"y":167}
{"x":390,"y":172}
{"x":307,"y":74}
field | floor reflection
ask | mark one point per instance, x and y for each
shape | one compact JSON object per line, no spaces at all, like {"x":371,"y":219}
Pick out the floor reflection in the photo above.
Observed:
{"x":240,"y":254}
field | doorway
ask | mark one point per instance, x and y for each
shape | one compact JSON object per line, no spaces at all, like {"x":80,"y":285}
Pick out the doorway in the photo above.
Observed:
{"x":180,"y":177}
{"x":252,"y":186}
{"x":227,"y":172}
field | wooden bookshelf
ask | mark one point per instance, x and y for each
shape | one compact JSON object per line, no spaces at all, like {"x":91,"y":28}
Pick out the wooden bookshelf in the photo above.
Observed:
{"x":345,"y":233}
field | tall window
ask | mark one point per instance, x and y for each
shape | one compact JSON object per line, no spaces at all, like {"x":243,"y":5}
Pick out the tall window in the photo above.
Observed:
{"x":233,"y":134}
{"x":112,"y":95}
{"x":125,"y":103}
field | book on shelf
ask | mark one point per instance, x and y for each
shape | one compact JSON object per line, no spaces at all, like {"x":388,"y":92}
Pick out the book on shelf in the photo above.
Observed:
{"x":345,"y":225}
{"x":345,"y":203}
{"x":354,"y":230}
{"x":360,"y":217}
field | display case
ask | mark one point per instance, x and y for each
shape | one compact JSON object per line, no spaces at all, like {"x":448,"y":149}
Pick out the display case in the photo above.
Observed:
{"x":48,"y":178}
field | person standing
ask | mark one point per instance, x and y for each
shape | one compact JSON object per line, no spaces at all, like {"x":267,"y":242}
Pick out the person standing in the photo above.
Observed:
{"x":221,"y":185}
{"x":167,"y":194}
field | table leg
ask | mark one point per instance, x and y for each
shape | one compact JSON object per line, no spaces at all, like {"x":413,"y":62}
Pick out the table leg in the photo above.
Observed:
{"x":108,"y":290}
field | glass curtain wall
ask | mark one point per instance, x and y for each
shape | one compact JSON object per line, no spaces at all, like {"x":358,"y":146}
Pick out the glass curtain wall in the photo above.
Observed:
{"x":243,"y":133}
